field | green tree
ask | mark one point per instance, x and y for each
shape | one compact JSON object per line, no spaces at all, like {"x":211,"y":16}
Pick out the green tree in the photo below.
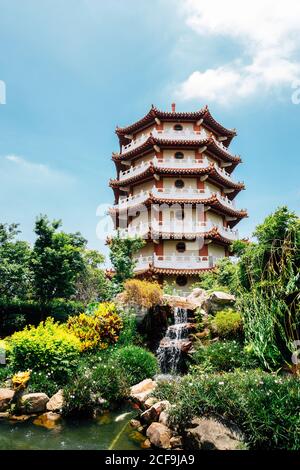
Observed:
{"x":121,"y":256}
{"x":92,"y":283}
{"x":57,"y":260}
{"x":15,"y":273}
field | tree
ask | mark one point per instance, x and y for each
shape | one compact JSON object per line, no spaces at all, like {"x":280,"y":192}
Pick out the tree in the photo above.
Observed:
{"x":57,"y":260}
{"x":15,"y":273}
{"x":92,"y":284}
{"x":121,"y":256}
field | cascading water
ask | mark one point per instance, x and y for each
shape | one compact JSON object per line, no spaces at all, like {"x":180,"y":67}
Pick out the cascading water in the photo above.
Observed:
{"x":170,"y":348}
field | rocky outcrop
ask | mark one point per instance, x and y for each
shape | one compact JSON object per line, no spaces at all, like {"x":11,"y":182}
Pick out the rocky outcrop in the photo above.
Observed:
{"x":153,"y":413}
{"x":218,"y":301}
{"x":141,"y":391}
{"x":6,"y":395}
{"x":210,"y":434}
{"x":56,"y":402}
{"x":159,"y":435}
{"x":34,"y":402}
{"x":198,"y":297}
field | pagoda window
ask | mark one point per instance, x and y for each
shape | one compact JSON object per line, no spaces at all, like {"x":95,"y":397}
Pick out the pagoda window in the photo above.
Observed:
{"x":181,"y":281}
{"x":179,"y":215}
{"x":179,"y":184}
{"x":178,"y":127}
{"x":178,"y":155}
{"x":180,"y":247}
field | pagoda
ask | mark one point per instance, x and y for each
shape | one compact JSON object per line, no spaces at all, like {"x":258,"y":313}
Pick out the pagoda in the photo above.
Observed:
{"x":175,"y":188}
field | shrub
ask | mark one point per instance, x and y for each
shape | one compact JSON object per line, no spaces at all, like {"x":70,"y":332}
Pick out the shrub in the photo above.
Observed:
{"x":41,"y":381}
{"x":223,"y":277}
{"x":49,"y":347}
{"x":228,"y":323}
{"x":264,"y":406}
{"x":16,"y":314}
{"x":143,"y":293}
{"x":129,"y":334}
{"x":137,"y":363}
{"x":98,"y":330}
{"x":92,"y":384}
{"x":223,"y":356}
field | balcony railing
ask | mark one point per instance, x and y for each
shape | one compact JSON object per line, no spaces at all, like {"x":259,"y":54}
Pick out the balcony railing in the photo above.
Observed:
{"x":176,"y":228}
{"x":174,"y":261}
{"x":173,"y":193}
{"x":171,"y":134}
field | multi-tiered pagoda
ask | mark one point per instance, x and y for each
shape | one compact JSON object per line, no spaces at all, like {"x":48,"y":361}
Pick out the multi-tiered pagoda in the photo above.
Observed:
{"x":175,"y":188}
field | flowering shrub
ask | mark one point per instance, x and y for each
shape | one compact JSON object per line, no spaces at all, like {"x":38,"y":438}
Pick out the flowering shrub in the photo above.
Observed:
{"x":48,"y":347}
{"x":264,"y":406}
{"x":143,"y":293}
{"x":223,"y":356}
{"x":228,"y":323}
{"x":97,"y":330}
{"x":137,"y":363}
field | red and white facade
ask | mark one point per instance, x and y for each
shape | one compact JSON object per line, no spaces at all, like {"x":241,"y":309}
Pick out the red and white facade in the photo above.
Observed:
{"x":175,"y":188}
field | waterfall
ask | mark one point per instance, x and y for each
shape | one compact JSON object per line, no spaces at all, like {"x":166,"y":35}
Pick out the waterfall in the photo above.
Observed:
{"x":170,"y":348}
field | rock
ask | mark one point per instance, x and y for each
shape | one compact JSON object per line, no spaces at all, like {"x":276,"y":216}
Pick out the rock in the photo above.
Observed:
{"x":141,"y":391}
{"x":150,"y":401}
{"x":135,"y":423}
{"x":34,"y":402}
{"x":4,"y":415}
{"x":178,"y":301}
{"x":6,"y":395}
{"x":209,"y":434}
{"x":19,"y":417}
{"x":185,"y":345}
{"x":218,"y":301}
{"x":146,"y":444}
{"x":47,"y":420}
{"x":176,"y":441}
{"x":164,"y":418}
{"x":198,"y":297}
{"x":56,"y":402}
{"x":159,"y":435}
{"x":153,"y":413}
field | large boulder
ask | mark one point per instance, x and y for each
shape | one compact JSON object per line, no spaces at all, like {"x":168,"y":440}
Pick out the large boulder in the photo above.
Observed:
{"x":48,"y":420}
{"x":159,"y":435}
{"x":34,"y":402}
{"x":217,"y":301}
{"x":56,"y":402}
{"x":6,"y":395}
{"x":210,"y":434}
{"x":153,"y":413}
{"x":141,"y":391}
{"x":198,"y":297}
{"x":178,"y":301}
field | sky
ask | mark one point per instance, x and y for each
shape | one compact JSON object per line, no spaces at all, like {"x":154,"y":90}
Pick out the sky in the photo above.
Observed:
{"x":71,"y":71}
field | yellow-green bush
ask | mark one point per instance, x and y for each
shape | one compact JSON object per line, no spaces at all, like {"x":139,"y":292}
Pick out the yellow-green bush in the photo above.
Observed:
{"x":49,"y":347}
{"x":144,"y":293}
{"x":228,"y":323}
{"x":99,"y":330}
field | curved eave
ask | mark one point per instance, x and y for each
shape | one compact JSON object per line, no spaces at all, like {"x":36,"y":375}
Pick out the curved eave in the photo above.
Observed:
{"x":213,"y":202}
{"x":152,"y":169}
{"x":210,"y":143}
{"x":151,"y":270}
{"x":154,"y":112}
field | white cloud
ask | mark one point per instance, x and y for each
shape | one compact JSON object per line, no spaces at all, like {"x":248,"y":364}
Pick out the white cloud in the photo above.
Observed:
{"x":17,"y":168}
{"x":269,"y":33}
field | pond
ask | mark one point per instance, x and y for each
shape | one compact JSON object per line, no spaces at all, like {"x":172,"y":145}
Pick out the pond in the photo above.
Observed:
{"x":108,"y":431}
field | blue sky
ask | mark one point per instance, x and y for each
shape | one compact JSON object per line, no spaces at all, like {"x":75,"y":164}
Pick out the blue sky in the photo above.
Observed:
{"x":73,"y":70}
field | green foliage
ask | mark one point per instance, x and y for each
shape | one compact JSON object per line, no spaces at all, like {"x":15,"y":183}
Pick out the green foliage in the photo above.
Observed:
{"x":16,"y":314}
{"x":137,"y":363}
{"x":269,"y":274}
{"x":223,"y":278}
{"x":49,"y":348}
{"x":15,"y":274}
{"x":56,"y":260}
{"x":121,"y":257}
{"x":264,"y":406}
{"x":97,"y":330}
{"x":129,"y":334}
{"x":228,"y":323}
{"x":93,"y":383}
{"x":42,"y":382}
{"x":223,"y":356}
{"x":92,"y":284}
